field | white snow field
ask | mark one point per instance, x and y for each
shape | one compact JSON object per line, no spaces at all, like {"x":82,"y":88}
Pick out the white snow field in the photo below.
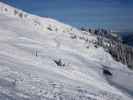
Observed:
{"x":44,"y":59}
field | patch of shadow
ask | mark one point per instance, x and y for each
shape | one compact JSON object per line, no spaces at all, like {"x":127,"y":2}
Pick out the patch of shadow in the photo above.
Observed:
{"x":7,"y":83}
{"x":123,"y":89}
{"x":21,"y":95}
{"x":108,"y":74}
{"x":4,"y":96}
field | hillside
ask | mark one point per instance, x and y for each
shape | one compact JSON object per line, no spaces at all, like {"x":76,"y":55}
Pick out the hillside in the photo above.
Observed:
{"x":115,"y":44}
{"x":44,"y":59}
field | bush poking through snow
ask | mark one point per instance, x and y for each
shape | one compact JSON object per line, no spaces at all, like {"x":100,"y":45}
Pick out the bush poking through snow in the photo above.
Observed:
{"x":15,"y":12}
{"x":59,"y":63}
{"x":6,"y":9}
{"x":73,"y":36}
{"x":21,"y":15}
{"x":50,"y":29}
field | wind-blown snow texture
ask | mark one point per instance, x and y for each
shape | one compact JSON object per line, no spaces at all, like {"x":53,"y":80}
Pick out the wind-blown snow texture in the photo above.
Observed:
{"x":43,"y":59}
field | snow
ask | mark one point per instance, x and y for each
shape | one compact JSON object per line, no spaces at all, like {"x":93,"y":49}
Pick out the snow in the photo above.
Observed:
{"x":28,"y":50}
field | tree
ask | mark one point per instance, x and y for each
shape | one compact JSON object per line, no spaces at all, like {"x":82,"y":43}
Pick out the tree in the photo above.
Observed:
{"x":6,"y":9}
{"x":21,"y":15}
{"x":15,"y":12}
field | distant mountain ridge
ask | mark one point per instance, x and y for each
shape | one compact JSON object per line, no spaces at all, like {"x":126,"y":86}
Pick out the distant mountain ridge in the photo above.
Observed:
{"x":128,"y":38}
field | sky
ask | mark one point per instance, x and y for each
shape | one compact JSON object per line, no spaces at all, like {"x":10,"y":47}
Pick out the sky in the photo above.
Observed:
{"x":116,"y":15}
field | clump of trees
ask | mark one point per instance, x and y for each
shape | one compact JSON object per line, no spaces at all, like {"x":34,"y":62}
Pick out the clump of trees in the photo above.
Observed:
{"x":73,"y":36}
{"x":103,"y":33}
{"x":20,"y":14}
{"x":113,"y":44}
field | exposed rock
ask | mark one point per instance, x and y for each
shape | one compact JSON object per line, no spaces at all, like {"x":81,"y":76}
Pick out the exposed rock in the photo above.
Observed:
{"x":107,"y":72}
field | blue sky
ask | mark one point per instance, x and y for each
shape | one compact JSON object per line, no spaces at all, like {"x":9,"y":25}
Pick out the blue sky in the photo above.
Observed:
{"x":111,"y":14}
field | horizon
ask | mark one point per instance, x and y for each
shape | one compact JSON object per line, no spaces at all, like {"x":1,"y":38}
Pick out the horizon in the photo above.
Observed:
{"x":108,"y":14}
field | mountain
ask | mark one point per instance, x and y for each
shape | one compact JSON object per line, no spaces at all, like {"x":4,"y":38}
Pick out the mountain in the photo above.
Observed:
{"x":44,"y":59}
{"x":128,"y":38}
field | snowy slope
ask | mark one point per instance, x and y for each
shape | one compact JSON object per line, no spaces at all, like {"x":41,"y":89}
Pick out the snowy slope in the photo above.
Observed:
{"x":43,"y":59}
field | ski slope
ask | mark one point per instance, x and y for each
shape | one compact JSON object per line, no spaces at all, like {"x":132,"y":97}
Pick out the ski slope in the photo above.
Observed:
{"x":44,"y":59}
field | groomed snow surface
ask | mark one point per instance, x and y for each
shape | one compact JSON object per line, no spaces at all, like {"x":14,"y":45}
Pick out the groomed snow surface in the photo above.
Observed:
{"x":43,"y":59}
